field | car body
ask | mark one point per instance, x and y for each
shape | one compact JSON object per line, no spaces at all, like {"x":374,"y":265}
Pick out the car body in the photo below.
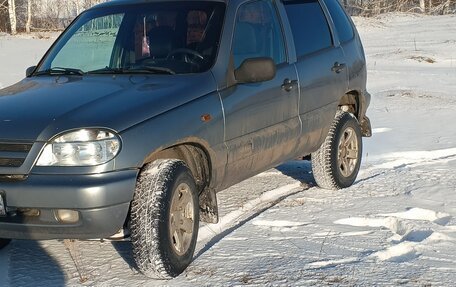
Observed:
{"x":224,"y":129}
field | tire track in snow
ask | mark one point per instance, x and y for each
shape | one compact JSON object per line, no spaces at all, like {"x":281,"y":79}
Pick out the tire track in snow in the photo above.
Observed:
{"x":397,"y":160}
{"x":210,"y":234}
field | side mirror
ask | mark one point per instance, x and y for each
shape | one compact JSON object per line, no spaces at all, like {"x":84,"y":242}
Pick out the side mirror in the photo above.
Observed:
{"x":255,"y":70}
{"x":29,"y":71}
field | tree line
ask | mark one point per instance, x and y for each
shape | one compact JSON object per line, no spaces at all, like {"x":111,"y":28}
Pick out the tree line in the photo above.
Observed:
{"x":376,"y":7}
{"x":35,"y":15}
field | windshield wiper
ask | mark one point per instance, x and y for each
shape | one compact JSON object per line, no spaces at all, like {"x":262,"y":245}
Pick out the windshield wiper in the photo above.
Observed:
{"x":60,"y":71}
{"x":134,"y":70}
{"x":151,"y":69}
{"x":108,"y":70}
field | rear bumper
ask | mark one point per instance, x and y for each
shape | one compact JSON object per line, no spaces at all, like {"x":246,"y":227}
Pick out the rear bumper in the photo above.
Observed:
{"x":101,"y":200}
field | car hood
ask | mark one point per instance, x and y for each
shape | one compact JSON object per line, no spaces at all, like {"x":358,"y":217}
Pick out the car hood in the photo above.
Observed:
{"x":38,"y":108}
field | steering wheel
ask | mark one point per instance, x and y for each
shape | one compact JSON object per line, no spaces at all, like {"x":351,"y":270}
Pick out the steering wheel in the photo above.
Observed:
{"x":186,"y":52}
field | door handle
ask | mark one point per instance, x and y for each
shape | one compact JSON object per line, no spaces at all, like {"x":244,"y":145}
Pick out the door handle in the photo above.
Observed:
{"x":338,"y":67}
{"x":289,"y":84}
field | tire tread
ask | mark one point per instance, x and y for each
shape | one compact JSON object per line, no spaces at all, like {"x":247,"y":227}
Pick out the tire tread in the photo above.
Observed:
{"x":145,"y":234}
{"x":323,"y":167}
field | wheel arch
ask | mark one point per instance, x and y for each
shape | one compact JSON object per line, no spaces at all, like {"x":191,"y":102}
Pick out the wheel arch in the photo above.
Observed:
{"x":198,"y":160}
{"x":193,"y":154}
{"x":350,"y":102}
{"x":356,"y":103}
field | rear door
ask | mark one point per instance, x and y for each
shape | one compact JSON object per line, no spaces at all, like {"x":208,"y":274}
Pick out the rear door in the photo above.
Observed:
{"x":321,"y":67}
{"x":352,"y":47}
{"x":262,"y":122}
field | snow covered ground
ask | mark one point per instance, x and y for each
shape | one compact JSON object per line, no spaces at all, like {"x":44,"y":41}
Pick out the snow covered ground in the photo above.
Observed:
{"x":395,"y":226}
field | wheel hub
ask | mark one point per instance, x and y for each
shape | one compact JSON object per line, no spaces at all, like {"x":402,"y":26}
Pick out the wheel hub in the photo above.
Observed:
{"x":181,"y":219}
{"x":348,"y":152}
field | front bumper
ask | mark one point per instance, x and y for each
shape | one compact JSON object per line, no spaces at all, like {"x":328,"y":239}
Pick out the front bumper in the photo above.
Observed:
{"x":102,"y":201}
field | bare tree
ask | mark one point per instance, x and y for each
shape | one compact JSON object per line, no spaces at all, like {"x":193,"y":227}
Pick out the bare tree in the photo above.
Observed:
{"x":12,"y":16}
{"x":77,"y":6}
{"x":3,"y":5}
{"x":29,"y":16}
{"x":423,"y":5}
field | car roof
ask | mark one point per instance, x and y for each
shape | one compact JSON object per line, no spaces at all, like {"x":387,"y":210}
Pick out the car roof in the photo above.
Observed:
{"x":133,"y":2}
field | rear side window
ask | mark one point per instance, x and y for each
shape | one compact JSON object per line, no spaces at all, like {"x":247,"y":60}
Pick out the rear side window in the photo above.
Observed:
{"x":340,"y":19}
{"x":309,"y":26}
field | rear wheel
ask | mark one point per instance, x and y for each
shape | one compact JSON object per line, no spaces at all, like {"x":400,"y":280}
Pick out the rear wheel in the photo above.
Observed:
{"x":164,"y":219}
{"x":336,"y":164}
{"x":4,"y":243}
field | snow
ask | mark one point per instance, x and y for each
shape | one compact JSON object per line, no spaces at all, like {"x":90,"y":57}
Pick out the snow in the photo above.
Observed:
{"x":252,"y":207}
{"x":278,"y":223}
{"x":422,"y":214}
{"x":17,"y":54}
{"x":395,"y":226}
{"x":332,"y":263}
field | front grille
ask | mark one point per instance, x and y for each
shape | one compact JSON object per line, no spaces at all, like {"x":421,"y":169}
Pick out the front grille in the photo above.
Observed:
{"x":12,"y":178}
{"x":13,"y":154}
{"x":11,"y":162}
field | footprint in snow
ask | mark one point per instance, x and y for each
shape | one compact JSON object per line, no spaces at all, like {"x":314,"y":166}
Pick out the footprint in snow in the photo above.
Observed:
{"x":413,"y":230}
{"x":402,"y":252}
{"x":439,"y":218}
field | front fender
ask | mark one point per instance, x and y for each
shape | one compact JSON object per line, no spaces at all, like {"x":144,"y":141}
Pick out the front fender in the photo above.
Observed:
{"x":198,"y":122}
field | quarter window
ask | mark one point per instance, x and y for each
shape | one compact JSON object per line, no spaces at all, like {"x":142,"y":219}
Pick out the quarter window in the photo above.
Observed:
{"x":309,"y":26}
{"x":343,"y":26}
{"x":258,"y":33}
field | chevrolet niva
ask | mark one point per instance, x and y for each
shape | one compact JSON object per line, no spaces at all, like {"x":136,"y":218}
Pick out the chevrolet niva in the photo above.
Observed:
{"x":142,"y":111}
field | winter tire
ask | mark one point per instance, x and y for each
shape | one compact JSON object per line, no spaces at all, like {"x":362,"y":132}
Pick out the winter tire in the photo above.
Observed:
{"x":164,"y":219}
{"x":336,"y":164}
{"x":4,"y":243}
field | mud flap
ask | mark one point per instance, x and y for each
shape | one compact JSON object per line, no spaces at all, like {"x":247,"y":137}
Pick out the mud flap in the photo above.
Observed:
{"x":366,"y":128}
{"x":208,"y":206}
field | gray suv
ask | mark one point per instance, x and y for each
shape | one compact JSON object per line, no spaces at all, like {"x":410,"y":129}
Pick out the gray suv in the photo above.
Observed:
{"x":142,"y":111}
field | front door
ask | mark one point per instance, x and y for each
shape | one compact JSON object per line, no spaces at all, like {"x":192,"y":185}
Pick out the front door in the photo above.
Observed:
{"x":262,"y":119}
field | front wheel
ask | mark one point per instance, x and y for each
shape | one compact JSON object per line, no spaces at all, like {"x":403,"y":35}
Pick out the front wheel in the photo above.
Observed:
{"x":164,"y":219}
{"x":336,"y":164}
{"x":4,"y":243}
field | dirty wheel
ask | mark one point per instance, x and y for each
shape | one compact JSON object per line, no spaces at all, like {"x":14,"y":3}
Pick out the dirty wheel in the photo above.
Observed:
{"x":4,"y":243}
{"x":336,"y":164}
{"x":164,"y":219}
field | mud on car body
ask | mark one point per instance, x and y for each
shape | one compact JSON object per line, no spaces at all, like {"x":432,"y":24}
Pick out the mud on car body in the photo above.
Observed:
{"x":142,"y":111}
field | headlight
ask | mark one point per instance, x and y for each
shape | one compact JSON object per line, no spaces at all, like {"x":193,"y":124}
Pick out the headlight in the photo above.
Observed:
{"x":86,"y":147}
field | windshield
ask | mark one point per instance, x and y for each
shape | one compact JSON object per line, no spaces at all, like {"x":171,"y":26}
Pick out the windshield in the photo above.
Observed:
{"x":162,"y":38}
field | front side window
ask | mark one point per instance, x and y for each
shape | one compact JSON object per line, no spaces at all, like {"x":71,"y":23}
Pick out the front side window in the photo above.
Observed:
{"x":165,"y":38}
{"x":309,"y":26}
{"x":258,"y":33}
